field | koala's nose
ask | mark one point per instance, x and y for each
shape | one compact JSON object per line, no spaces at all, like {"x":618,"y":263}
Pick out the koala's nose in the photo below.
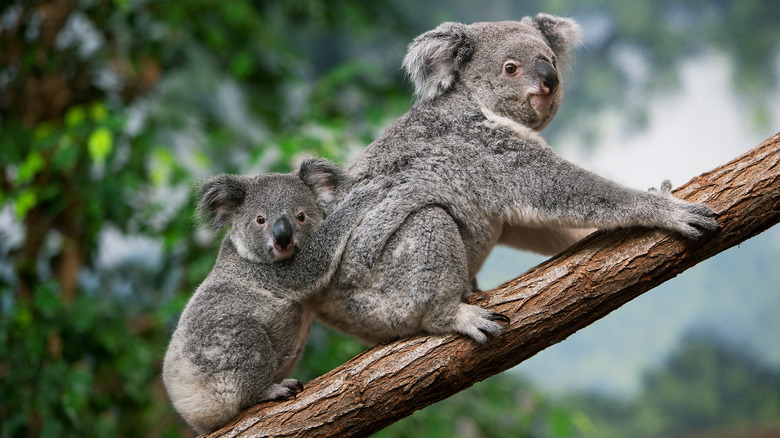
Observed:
{"x":547,"y":75}
{"x":283,"y":233}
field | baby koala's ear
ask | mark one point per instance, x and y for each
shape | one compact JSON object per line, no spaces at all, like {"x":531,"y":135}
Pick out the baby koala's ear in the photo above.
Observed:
{"x":322,"y":177}
{"x":218,"y":198}
{"x":563,"y":34}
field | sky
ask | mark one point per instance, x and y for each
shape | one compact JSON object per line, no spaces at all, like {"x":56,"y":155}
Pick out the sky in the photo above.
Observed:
{"x":700,"y":127}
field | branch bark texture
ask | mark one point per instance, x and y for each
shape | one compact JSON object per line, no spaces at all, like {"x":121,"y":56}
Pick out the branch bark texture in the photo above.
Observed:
{"x":546,"y":305}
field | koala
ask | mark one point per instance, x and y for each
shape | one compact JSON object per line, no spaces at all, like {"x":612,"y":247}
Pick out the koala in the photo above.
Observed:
{"x":241,"y":333}
{"x":469,"y":157}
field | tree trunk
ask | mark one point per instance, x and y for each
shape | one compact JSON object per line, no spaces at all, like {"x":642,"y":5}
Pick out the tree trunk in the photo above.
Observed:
{"x":546,"y":305}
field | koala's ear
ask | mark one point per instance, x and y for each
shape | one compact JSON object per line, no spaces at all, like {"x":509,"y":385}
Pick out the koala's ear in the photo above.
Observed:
{"x":218,"y":197}
{"x":435,"y":58}
{"x":323,"y":177}
{"x":563,"y":34}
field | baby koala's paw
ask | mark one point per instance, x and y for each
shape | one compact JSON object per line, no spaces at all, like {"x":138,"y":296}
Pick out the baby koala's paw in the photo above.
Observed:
{"x":691,"y":220}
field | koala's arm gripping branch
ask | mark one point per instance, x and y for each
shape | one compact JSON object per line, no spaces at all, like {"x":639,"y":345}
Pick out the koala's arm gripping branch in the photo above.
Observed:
{"x":546,"y":305}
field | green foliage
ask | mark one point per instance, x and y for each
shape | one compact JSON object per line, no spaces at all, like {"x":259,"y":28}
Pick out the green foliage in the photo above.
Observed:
{"x":82,"y":339}
{"x":78,"y":369}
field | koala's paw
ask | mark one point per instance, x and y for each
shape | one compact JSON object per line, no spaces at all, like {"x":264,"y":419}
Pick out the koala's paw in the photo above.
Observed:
{"x":477,"y":322}
{"x":287,"y":388}
{"x":691,"y":220}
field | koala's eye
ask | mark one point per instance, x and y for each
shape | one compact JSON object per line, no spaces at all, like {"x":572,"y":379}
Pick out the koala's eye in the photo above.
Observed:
{"x":260,"y":219}
{"x":511,"y":68}
{"x":301,"y":217}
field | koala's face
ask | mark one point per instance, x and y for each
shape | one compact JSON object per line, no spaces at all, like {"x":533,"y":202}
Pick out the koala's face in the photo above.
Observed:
{"x":270,"y":216}
{"x":512,"y":68}
{"x":514,"y":72}
{"x":279,"y":214}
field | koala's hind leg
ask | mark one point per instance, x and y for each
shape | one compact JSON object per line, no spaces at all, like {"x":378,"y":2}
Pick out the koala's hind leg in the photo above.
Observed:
{"x":287,"y":388}
{"x":430,"y":247}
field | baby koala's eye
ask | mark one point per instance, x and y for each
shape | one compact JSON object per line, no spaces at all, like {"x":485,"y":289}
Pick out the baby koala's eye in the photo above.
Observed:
{"x":301,"y":217}
{"x":511,"y":68}
{"x":260,"y":219}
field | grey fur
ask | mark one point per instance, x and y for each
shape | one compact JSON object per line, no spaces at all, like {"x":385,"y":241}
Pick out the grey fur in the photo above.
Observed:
{"x":468,"y":163}
{"x":241,"y":334}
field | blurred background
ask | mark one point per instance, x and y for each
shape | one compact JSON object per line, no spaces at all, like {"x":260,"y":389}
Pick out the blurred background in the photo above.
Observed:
{"x":111,"y":109}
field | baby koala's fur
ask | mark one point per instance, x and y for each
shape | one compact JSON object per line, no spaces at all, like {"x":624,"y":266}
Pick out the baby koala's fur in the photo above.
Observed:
{"x":241,"y":334}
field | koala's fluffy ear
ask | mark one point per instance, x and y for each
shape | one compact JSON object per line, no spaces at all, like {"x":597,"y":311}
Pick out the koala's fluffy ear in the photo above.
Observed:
{"x":218,"y":197}
{"x":435,"y":58}
{"x":323,"y":177}
{"x":563,"y":34}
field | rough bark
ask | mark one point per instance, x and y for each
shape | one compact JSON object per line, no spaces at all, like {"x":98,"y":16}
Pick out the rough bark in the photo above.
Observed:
{"x":546,"y":305}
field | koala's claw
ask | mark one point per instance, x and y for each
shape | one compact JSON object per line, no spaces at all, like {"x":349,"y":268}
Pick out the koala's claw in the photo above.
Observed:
{"x":666,"y":188}
{"x":696,"y":220}
{"x":287,"y":388}
{"x":293,"y":384}
{"x":499,"y":317}
{"x":691,"y":220}
{"x":477,"y":322}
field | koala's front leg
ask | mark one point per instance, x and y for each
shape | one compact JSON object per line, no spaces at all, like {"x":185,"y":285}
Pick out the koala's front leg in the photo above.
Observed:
{"x":686,"y":218}
{"x":552,"y":192}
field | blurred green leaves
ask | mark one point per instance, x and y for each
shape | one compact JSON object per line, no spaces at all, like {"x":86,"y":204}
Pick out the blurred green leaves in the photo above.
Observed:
{"x":108,"y":131}
{"x":100,"y":144}
{"x":50,"y":387}
{"x":29,"y":168}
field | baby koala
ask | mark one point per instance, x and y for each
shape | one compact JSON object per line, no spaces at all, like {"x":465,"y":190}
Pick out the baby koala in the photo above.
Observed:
{"x":240,"y":334}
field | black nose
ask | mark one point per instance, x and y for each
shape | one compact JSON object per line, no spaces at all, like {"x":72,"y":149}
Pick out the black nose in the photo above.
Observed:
{"x":283,"y":233}
{"x":547,"y":75}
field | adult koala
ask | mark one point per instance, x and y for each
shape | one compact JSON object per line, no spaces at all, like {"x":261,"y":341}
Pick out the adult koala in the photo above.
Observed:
{"x":469,"y":156}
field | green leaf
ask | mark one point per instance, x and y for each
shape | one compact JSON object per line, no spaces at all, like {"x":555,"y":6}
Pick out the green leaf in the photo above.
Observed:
{"x":560,"y":423}
{"x":24,"y":317}
{"x":242,"y":65}
{"x":65,"y":155}
{"x":100,"y":144}
{"x":25,"y":202}
{"x":77,"y":391}
{"x":29,"y":168}
{"x":46,"y":300}
{"x":98,"y":112}
{"x":123,"y":5}
{"x":161,"y":167}
{"x":75,"y":116}
{"x":42,"y":131}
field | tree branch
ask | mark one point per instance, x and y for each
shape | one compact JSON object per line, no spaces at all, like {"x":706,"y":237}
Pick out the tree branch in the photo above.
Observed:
{"x":546,"y":305}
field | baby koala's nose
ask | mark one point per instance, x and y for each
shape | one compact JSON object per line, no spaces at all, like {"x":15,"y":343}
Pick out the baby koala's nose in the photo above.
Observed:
{"x":283,"y":234}
{"x":548,"y":76}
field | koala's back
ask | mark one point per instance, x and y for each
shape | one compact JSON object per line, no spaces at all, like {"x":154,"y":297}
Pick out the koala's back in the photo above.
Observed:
{"x":391,"y":308}
{"x":450,"y":151}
